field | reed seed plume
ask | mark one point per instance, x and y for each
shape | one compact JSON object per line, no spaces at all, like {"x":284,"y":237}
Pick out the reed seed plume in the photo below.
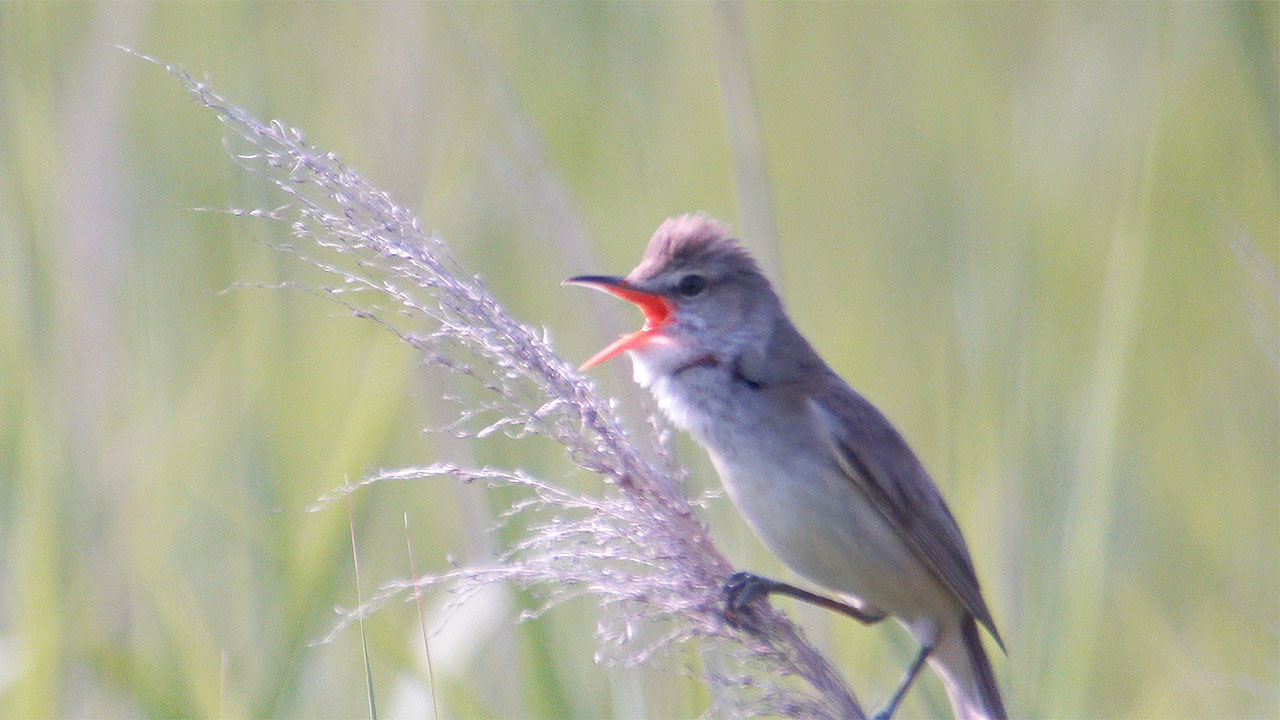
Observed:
{"x":636,"y":546}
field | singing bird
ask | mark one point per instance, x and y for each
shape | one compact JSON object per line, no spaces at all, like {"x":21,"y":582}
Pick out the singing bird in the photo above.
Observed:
{"x":816,"y":470}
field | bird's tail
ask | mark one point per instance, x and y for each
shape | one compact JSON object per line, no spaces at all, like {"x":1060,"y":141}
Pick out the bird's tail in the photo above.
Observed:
{"x":962,"y":663}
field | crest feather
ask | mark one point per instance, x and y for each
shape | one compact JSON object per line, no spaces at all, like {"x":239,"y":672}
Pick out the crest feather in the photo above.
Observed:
{"x":688,"y":238}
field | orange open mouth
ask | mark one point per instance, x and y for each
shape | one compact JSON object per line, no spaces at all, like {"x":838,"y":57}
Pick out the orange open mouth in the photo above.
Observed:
{"x":657,"y":314}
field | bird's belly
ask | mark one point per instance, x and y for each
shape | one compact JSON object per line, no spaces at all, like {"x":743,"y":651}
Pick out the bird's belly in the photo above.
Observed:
{"x":825,"y":529}
{"x":782,"y":479}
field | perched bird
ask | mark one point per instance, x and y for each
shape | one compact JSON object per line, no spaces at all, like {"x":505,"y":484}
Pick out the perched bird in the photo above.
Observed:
{"x":818,"y":472}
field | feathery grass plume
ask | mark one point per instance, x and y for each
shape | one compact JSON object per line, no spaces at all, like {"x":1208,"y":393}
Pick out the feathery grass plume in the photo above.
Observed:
{"x":638,"y":548}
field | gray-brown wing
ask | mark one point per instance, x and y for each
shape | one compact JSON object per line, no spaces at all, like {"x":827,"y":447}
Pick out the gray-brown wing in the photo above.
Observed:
{"x":874,"y":456}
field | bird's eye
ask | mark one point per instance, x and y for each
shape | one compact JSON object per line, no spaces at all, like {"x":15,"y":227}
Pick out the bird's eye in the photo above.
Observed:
{"x":691,"y":285}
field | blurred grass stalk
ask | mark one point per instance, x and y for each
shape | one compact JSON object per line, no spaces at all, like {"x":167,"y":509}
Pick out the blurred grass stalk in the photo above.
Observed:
{"x":1090,"y":508}
{"x":1091,"y":504}
{"x":641,"y":551}
{"x":742,"y":125}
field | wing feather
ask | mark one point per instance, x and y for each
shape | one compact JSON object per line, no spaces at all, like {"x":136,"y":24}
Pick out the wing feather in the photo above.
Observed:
{"x":875,"y":457}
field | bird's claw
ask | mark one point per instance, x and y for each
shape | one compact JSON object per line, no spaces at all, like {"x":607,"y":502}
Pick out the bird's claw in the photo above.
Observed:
{"x":740,"y":589}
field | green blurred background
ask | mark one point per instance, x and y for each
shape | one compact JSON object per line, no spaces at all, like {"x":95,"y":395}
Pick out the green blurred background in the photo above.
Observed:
{"x":1043,"y":238}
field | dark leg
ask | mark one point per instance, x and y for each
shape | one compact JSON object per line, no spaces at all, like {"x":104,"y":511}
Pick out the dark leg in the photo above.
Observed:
{"x":887,"y":712}
{"x":742,"y":587}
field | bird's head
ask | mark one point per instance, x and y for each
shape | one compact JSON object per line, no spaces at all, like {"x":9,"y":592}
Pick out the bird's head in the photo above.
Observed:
{"x":701,"y":293}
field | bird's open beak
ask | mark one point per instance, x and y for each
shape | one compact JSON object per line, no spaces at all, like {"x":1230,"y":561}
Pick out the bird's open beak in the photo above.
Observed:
{"x":657,"y":314}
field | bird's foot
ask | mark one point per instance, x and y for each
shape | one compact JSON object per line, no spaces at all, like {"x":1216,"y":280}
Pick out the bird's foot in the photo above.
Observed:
{"x":740,"y":589}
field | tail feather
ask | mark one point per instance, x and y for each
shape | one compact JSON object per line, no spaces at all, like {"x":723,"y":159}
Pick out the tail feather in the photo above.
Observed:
{"x":962,"y":663}
{"x":985,"y":676}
